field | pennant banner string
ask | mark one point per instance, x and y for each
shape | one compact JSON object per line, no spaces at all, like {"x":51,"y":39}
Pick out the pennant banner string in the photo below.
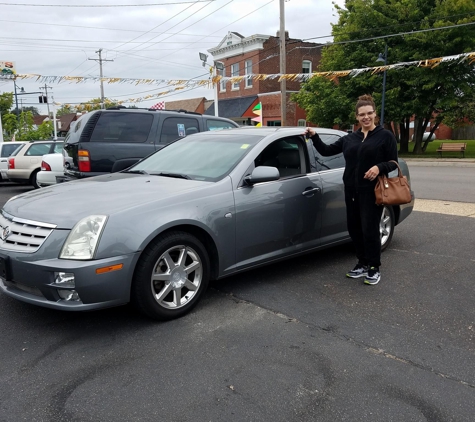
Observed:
{"x":181,"y":84}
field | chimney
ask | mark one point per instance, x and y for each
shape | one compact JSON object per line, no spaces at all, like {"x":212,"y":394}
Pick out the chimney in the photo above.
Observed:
{"x":286,"y":34}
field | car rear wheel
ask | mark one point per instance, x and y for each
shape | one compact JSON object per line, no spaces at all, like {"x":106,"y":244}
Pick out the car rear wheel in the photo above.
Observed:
{"x":34,"y":180}
{"x":171,"y":276}
{"x":386,"y":227}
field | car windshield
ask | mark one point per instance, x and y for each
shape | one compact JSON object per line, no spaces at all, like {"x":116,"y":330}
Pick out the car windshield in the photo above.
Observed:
{"x":199,"y":157}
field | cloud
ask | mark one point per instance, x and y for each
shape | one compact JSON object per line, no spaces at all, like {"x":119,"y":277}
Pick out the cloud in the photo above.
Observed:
{"x":156,"y":41}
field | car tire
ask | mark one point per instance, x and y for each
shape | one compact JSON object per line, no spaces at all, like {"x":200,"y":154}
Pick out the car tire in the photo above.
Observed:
{"x":34,"y":180}
{"x":386,"y":227}
{"x":171,"y":276}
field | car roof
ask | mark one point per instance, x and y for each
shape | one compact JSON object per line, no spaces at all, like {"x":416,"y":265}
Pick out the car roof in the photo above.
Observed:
{"x":270,"y":130}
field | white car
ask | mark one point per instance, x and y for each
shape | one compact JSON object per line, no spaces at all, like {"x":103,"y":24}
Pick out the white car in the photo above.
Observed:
{"x":51,"y":166}
{"x":25,"y":162}
{"x":6,"y":149}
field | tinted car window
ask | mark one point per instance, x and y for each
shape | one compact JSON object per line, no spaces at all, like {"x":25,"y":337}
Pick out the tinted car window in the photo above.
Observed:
{"x":58,"y":147}
{"x":177,"y":127}
{"x":332,"y":162}
{"x":121,"y":127}
{"x":38,"y":149}
{"x":7,"y":150}
{"x":217,"y":125}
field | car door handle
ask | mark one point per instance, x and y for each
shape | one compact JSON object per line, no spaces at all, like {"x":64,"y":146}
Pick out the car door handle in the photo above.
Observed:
{"x":311,"y":191}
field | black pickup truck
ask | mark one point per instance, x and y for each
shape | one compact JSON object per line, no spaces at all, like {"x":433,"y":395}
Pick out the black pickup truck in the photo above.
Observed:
{"x":105,"y":141}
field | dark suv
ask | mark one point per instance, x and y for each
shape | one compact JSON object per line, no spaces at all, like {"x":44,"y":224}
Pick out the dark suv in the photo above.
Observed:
{"x":111,"y":140}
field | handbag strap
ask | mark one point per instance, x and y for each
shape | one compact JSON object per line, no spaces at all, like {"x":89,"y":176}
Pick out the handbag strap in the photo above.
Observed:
{"x":399,"y":168}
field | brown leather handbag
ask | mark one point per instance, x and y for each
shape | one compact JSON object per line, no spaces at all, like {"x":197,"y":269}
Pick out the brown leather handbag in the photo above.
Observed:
{"x":392,"y":190}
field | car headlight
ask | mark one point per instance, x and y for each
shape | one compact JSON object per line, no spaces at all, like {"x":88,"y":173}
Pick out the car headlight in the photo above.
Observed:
{"x":84,"y":238}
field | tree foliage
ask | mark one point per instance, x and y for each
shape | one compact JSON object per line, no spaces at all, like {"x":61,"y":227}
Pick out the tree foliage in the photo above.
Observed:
{"x":6,"y":102}
{"x":443,"y":93}
{"x":93,"y":104}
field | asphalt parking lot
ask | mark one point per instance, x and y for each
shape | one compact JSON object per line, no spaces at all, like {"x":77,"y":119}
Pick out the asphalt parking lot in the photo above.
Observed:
{"x":295,"y":341}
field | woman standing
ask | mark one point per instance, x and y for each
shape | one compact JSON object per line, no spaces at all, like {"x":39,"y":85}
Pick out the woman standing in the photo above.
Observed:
{"x":367,"y":153}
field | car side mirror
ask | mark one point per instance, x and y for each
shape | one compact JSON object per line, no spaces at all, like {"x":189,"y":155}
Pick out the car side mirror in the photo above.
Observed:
{"x":262,"y":174}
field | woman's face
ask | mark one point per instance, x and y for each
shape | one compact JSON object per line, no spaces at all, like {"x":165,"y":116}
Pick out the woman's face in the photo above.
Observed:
{"x":366,"y":116}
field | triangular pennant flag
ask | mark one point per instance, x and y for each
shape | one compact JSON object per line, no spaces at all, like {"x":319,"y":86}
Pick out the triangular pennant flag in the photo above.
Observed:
{"x":258,"y":110}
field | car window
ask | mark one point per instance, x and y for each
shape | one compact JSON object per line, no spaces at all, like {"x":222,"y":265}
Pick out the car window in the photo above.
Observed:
{"x":286,"y":155}
{"x":38,"y":149}
{"x":8,"y":149}
{"x":58,"y":147}
{"x":177,"y":127}
{"x":19,"y":148}
{"x":332,"y":162}
{"x":122,"y":127}
{"x":212,"y":124}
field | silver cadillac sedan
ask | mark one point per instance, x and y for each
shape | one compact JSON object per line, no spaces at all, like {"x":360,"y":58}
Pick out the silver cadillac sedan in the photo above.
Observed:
{"x":204,"y":207}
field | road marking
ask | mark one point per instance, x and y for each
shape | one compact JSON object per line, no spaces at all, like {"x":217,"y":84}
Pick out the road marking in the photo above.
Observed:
{"x":445,"y":207}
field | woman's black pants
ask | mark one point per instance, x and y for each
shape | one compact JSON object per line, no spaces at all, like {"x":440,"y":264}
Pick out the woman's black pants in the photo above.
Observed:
{"x":363,"y":219}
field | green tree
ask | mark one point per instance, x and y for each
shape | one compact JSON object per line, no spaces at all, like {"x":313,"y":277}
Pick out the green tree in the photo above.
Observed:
{"x":10,"y":124}
{"x":442,"y":93}
{"x":93,"y":104}
{"x":6,"y":102}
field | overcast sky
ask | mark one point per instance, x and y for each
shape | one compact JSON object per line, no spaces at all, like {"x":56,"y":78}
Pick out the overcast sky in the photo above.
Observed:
{"x":157,"y":39}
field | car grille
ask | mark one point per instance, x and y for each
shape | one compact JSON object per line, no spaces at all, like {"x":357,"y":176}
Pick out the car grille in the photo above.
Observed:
{"x":21,"y":235}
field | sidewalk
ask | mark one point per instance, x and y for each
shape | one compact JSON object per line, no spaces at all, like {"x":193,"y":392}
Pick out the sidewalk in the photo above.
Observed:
{"x":443,"y":162}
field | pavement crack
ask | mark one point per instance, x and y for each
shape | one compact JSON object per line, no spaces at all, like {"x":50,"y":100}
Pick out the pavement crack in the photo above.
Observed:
{"x":332,"y":331}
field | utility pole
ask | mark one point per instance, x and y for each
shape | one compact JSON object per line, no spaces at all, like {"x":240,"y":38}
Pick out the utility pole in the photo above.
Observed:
{"x":100,"y":60}
{"x":283,"y":82}
{"x":46,"y":95}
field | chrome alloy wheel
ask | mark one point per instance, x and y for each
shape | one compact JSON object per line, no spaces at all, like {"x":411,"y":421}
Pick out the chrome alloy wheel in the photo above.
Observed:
{"x":386,"y":226}
{"x":176,"y":277}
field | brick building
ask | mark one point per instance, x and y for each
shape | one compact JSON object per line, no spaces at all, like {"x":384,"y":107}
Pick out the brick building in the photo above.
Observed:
{"x":260,"y":54}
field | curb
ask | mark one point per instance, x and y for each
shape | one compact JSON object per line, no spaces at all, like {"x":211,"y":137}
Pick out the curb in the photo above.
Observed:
{"x":440,"y":162}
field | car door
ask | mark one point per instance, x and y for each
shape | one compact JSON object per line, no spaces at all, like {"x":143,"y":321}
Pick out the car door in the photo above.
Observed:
{"x":281,"y":217}
{"x":330,"y":170}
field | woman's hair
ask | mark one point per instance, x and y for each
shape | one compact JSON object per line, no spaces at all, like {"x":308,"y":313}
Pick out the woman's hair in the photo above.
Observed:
{"x":365,"y":100}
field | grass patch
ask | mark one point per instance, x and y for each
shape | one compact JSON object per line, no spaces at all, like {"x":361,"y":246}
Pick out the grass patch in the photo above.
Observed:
{"x":431,"y":151}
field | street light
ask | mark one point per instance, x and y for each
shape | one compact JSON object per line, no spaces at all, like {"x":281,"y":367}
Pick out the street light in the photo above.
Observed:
{"x":383,"y":58}
{"x":217,"y":66}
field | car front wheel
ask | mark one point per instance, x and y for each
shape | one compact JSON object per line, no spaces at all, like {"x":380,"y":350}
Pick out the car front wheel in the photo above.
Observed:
{"x":171,"y":276}
{"x":386,"y":227}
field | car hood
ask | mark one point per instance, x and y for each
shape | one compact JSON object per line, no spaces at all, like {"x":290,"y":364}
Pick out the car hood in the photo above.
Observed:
{"x":66,"y":203}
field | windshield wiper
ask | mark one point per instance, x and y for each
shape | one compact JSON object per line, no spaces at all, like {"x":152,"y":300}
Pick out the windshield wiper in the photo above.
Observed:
{"x":177,"y":175}
{"x":135,"y":171}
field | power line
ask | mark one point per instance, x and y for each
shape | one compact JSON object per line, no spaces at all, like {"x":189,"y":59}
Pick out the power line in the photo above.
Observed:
{"x":391,"y":35}
{"x":103,"y":5}
{"x":188,"y":17}
{"x":95,"y":27}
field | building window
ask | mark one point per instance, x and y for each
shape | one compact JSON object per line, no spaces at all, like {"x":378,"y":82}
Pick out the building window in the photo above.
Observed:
{"x":235,"y":72}
{"x":248,"y":72}
{"x":274,"y":123}
{"x":222,"y":84}
{"x":301,"y":123}
{"x":306,"y":66}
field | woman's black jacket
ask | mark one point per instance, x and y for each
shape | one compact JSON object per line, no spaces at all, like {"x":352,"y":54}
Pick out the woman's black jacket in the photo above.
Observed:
{"x":377,"y":149}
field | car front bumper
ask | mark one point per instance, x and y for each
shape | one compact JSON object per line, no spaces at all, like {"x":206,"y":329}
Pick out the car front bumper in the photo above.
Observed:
{"x":34,"y":281}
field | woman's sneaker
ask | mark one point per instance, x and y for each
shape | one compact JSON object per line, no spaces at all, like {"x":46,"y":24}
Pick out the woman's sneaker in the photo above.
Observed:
{"x":359,"y":271}
{"x":373,"y":276}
